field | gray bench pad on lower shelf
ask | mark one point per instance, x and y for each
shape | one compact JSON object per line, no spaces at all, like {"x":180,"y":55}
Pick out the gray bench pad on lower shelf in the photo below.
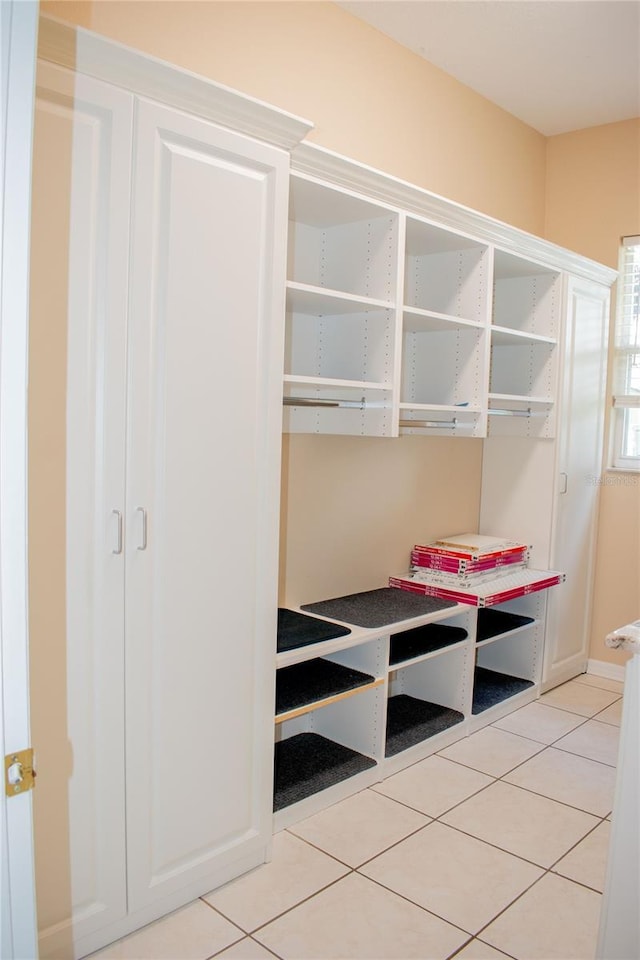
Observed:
{"x":308,"y":763}
{"x":298,"y":630}
{"x":377,"y":608}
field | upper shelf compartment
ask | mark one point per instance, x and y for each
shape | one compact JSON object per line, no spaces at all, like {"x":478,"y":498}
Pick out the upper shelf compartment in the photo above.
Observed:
{"x":339,"y":242}
{"x":445,"y":273}
{"x":444,"y":357}
{"x":526,"y":299}
{"x":340,"y":343}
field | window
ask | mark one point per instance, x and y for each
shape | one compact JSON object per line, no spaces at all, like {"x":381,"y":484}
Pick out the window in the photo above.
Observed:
{"x":626,"y":370}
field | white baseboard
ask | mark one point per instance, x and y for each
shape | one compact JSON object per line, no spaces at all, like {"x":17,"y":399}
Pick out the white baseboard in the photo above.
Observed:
{"x":602,"y":668}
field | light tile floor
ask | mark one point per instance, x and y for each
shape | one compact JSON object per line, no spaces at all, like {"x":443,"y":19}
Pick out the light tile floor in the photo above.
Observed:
{"x":495,"y":847}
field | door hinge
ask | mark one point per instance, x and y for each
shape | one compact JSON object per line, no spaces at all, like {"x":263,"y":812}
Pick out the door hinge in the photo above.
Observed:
{"x":19,"y":775}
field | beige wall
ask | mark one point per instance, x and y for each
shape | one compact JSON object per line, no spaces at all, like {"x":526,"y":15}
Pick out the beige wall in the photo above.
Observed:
{"x":593,"y":189}
{"x":52,"y":152}
{"x":369,"y":98}
{"x":593,"y":199}
{"x":355,"y":506}
{"x":372,"y":100}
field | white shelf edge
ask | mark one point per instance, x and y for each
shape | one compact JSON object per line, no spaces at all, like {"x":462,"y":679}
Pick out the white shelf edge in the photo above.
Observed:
{"x":503,"y":707}
{"x":448,"y":318}
{"x":424,"y":748}
{"x":394,"y":667}
{"x":305,"y":708}
{"x":507,"y":633}
{"x":360,"y":635}
{"x":294,"y":812}
{"x":294,"y":286}
{"x":323,"y":382}
{"x":521,"y":336}
{"x":441,"y":408}
{"x":520,"y":398}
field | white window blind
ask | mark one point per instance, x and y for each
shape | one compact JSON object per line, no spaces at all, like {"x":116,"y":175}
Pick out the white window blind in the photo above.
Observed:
{"x":626,"y":371}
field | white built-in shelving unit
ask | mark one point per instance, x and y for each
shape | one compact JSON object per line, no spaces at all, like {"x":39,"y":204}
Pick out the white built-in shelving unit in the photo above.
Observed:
{"x":432,"y":319}
{"x":353,"y":710}
{"x":409,"y":314}
{"x":525,"y":327}
{"x":341,"y":312}
{"x":444,"y":318}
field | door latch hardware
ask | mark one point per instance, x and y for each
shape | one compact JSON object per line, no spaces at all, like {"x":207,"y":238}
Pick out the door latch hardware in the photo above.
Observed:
{"x":19,"y":775}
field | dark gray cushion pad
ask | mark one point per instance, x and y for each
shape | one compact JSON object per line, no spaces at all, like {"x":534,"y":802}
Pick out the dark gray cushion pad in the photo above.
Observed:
{"x":378,"y":608}
{"x":297,"y":630}
{"x":307,"y":763}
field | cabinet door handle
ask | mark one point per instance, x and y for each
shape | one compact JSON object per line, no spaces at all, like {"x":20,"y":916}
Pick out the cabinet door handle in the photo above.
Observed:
{"x":564,"y":483}
{"x":143,"y":528}
{"x":118,"y":546}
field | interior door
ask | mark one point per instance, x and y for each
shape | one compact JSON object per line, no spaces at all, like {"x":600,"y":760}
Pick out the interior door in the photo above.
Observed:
{"x":203,"y":459}
{"x":580,"y":465}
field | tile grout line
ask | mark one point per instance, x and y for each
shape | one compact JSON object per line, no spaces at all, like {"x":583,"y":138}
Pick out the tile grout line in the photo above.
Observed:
{"x":395,"y":843}
{"x":546,"y":870}
{"x":551,"y":870}
{"x":522,"y":894}
{"x":413,"y":903}
{"x":500,"y":779}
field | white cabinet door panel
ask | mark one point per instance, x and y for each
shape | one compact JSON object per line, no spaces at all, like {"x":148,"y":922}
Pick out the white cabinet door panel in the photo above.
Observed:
{"x":579,"y":466}
{"x":205,"y":373}
{"x":83,"y":181}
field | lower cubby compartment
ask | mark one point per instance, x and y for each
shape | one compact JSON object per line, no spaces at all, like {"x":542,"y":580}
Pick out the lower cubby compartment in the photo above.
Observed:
{"x":315,"y":680}
{"x":332,"y":743}
{"x":509,"y":665}
{"x":411,"y":721}
{"x":493,"y":621}
{"x":491,"y":688}
{"x":427,"y":697}
{"x":423,"y":640}
{"x":307,"y":763}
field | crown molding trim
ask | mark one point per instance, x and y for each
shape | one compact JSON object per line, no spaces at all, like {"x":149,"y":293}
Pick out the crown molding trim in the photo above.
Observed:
{"x":318,"y":162}
{"x":89,"y":53}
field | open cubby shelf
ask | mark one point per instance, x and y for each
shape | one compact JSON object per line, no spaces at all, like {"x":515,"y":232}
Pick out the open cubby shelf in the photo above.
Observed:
{"x":383,"y":696}
{"x":307,"y":683}
{"x":423,"y":640}
{"x":491,"y":688}
{"x":492,"y":622}
{"x":307,"y":763}
{"x":411,"y":721}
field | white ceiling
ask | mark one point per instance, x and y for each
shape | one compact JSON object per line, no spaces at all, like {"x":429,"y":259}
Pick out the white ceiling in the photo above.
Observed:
{"x":558,"y":65}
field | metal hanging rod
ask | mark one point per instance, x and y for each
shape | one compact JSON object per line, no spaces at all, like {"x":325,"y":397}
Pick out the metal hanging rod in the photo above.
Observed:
{"x":323,"y":402}
{"x":427,"y":424}
{"x":495,"y":412}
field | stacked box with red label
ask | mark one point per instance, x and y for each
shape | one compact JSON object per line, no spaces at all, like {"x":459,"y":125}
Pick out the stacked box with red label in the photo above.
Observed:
{"x":478,"y":570}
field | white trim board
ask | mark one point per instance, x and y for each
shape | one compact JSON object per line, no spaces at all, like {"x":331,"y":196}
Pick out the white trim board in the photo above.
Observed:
{"x":94,"y":55}
{"x":17,"y":879}
{"x":602,"y":668}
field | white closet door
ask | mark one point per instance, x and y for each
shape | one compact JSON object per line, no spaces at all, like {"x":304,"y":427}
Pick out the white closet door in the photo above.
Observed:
{"x":203,"y":460}
{"x":580,"y":468}
{"x":82,"y":183}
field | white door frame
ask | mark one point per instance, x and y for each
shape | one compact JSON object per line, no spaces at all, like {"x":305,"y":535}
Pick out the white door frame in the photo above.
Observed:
{"x":19,"y":26}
